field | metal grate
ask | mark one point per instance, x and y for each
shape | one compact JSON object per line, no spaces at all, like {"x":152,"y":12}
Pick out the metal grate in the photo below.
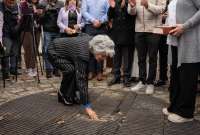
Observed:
{"x":124,"y":113}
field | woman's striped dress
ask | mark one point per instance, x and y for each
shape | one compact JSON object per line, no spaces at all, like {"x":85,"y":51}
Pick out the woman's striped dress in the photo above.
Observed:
{"x":71,"y":56}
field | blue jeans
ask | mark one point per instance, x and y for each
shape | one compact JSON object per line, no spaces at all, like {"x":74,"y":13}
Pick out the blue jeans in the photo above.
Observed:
{"x":48,"y":38}
{"x":12,"y":52}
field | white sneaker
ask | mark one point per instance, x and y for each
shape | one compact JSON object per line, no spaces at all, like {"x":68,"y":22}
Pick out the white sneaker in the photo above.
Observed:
{"x":137,"y":87}
{"x":178,"y":119}
{"x":28,"y":70}
{"x":166,"y":112}
{"x":32,"y":73}
{"x":150,"y":89}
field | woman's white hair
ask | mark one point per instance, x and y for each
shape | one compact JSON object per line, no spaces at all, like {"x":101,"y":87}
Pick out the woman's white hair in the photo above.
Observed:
{"x":102,"y":44}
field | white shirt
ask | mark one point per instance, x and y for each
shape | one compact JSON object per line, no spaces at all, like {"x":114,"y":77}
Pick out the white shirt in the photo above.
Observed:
{"x":171,"y":21}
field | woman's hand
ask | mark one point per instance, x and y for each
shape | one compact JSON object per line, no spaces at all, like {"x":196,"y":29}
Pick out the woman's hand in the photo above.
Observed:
{"x":92,"y":114}
{"x":177,"y":31}
{"x":144,"y":3}
{"x":70,"y":31}
{"x":76,"y":27}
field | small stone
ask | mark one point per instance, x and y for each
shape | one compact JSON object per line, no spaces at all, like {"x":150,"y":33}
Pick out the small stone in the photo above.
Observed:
{"x":61,"y":122}
{"x":1,"y":118}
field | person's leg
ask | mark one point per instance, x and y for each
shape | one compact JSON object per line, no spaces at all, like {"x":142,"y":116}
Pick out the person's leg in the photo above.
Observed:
{"x":99,"y":69}
{"x":6,"y":61}
{"x":174,"y":82}
{"x":92,"y":67}
{"x":66,"y":92}
{"x":126,"y":69}
{"x":92,"y":63}
{"x":131,"y":50}
{"x":68,"y":85}
{"x":82,"y":82}
{"x":117,"y":60}
{"x":163,"y":54}
{"x":141,"y":47}
{"x":153,"y":42}
{"x":48,"y":66}
{"x":55,"y":70}
{"x":14,"y":56}
{"x":185,"y":102}
{"x":29,"y":55}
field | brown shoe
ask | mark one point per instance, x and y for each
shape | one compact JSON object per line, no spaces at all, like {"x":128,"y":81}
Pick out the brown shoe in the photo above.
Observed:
{"x":99,"y":77}
{"x":90,"y":76}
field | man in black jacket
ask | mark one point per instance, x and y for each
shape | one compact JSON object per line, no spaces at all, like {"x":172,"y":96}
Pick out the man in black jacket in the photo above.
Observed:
{"x":9,"y":35}
{"x":122,"y":33}
{"x":71,"y":56}
{"x":51,"y":30}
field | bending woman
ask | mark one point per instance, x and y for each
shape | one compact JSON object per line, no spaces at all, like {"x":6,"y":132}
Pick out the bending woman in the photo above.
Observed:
{"x":71,"y":56}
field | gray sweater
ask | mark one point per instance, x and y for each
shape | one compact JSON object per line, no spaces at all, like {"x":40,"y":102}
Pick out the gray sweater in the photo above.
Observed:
{"x":188,"y":14}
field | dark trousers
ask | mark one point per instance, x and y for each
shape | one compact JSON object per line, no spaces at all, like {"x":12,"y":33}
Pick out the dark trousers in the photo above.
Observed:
{"x":94,"y":66}
{"x":125,"y":54}
{"x":74,"y":84}
{"x":147,"y":44}
{"x":163,"y":54}
{"x":12,"y":52}
{"x":183,"y":84}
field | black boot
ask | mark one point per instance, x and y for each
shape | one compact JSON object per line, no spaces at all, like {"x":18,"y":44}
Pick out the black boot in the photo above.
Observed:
{"x":114,"y":81}
{"x":48,"y":74}
{"x":127,"y":82}
{"x":159,"y":83}
{"x":56,"y":73}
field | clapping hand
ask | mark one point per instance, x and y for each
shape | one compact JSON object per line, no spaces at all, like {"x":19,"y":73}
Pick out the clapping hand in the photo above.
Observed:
{"x":144,"y":3}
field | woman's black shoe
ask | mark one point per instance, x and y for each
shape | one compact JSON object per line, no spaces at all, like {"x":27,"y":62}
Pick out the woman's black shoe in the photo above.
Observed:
{"x":159,"y":83}
{"x":64,"y":101}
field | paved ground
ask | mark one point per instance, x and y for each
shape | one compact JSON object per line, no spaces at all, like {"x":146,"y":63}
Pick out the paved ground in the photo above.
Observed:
{"x":27,"y":107}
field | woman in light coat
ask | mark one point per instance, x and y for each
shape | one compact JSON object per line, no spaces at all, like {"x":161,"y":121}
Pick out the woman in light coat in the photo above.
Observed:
{"x":187,"y":32}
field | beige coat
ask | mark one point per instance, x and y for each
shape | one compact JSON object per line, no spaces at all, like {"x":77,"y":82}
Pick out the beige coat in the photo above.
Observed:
{"x":148,"y":19}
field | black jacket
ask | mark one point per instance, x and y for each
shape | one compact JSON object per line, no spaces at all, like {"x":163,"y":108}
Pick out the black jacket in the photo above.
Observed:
{"x":11,"y":27}
{"x":49,"y":19}
{"x":123,"y":24}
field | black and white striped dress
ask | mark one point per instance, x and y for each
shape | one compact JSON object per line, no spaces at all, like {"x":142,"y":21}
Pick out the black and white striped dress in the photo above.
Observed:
{"x":71,"y":56}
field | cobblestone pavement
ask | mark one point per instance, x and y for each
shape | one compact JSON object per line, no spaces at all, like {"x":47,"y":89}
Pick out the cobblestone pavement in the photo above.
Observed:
{"x":116,"y":104}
